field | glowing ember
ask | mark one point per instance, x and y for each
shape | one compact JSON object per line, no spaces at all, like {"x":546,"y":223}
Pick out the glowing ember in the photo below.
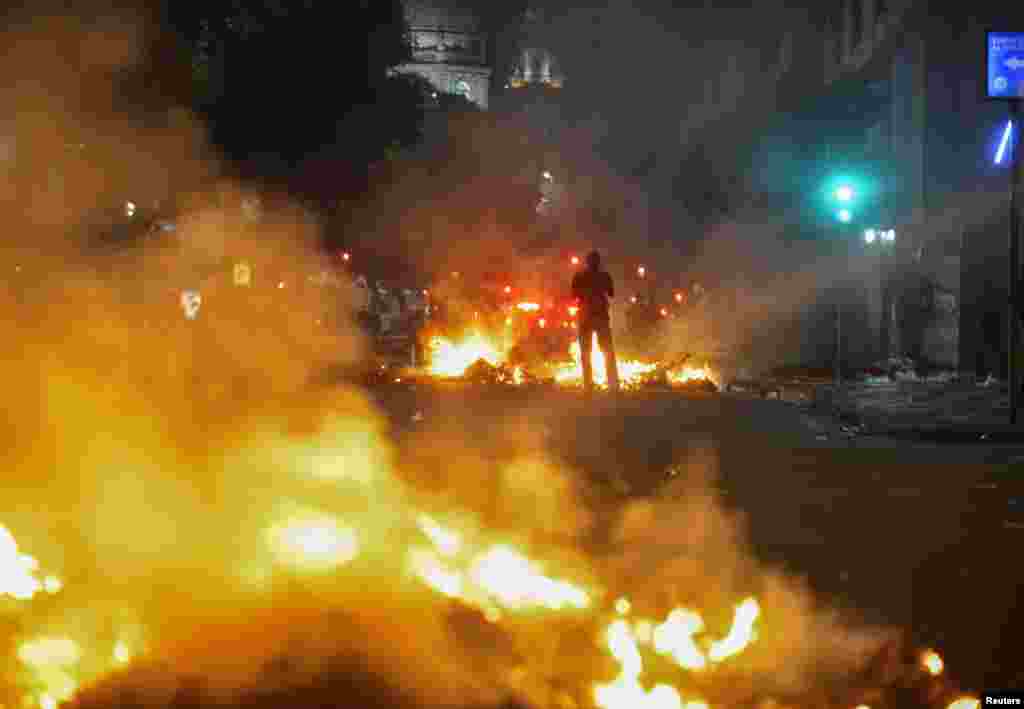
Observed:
{"x":932,"y":662}
{"x":644,"y":631}
{"x":740,"y":635}
{"x":686,"y":373}
{"x":312,"y":542}
{"x":122,"y":654}
{"x":430,"y":569}
{"x":516,"y":582}
{"x":625,"y":691}
{"x":53,"y":662}
{"x":964,"y":703}
{"x":446,"y":542}
{"x":674,"y":638}
{"x":500,"y":576}
{"x":17,"y":571}
{"x":631,"y":372}
{"x":452,"y":359}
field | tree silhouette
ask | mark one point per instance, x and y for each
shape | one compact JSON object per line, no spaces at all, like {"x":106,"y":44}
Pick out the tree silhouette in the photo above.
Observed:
{"x":296,"y":80}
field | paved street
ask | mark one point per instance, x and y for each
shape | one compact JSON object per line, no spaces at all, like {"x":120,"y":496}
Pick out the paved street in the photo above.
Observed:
{"x":911,"y":533}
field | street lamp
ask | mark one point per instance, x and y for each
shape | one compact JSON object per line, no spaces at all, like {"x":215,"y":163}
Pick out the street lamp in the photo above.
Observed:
{"x":574,"y":260}
{"x":844,"y":193}
{"x":880,"y":243}
{"x":844,"y":215}
{"x":641,"y":271}
{"x":882,"y":236}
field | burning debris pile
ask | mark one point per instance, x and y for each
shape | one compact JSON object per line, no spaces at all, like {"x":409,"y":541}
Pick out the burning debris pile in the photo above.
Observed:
{"x":479,"y":359}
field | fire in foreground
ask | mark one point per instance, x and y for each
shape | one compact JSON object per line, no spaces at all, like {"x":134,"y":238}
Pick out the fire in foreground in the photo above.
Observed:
{"x":470,"y":566}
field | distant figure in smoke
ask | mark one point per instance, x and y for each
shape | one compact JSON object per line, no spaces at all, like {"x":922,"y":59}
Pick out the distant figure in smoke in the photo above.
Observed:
{"x":592,"y":288}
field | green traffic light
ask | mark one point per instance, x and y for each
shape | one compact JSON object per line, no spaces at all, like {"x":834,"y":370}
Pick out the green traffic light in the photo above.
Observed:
{"x":848,"y":189}
{"x":844,"y":215}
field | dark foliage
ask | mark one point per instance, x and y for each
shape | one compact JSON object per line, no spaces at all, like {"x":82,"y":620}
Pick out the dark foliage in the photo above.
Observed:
{"x":283,"y":83}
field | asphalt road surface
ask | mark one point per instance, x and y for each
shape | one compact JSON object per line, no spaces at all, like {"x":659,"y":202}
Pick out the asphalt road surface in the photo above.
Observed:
{"x":919,"y":535}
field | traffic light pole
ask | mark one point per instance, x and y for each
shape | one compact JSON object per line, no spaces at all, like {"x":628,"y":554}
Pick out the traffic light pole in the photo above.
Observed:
{"x":837,"y":359}
{"x":1012,"y":319}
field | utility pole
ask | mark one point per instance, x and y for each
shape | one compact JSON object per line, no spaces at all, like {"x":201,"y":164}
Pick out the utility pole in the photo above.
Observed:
{"x":837,"y":359}
{"x":1012,"y":320}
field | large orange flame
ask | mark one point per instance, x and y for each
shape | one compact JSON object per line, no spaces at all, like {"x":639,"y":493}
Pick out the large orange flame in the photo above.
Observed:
{"x":18,"y":577}
{"x":689,"y":373}
{"x":675,"y":638}
{"x":450,"y":358}
{"x":495,"y":578}
{"x":631,"y":372}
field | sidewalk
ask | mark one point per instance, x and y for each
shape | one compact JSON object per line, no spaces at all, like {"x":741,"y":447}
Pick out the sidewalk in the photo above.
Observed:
{"x":945,"y":410}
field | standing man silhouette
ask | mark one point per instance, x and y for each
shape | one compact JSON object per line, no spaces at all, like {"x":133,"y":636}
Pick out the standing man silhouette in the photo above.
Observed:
{"x":592,"y":288}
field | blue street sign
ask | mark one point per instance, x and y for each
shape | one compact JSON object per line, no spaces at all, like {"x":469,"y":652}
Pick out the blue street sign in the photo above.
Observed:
{"x":1005,"y":65}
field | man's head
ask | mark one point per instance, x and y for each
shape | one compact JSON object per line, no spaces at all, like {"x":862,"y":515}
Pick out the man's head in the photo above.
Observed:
{"x":593,"y":261}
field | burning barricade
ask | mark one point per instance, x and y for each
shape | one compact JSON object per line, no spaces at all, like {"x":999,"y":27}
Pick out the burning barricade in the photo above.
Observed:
{"x":478,"y":358}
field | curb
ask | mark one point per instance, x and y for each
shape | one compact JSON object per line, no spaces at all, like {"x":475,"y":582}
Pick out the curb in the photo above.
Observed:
{"x":874,"y":422}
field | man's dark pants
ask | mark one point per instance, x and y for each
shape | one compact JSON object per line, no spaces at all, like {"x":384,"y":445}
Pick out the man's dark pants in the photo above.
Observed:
{"x":602,"y":328}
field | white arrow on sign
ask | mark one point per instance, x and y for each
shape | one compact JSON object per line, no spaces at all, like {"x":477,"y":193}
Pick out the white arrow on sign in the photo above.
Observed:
{"x":1014,"y":63}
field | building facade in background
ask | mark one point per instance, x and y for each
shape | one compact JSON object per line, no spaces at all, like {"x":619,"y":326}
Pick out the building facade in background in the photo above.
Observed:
{"x":898,"y":109}
{"x":449,"y":46}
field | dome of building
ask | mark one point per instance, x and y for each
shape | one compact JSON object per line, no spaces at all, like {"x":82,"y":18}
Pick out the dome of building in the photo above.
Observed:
{"x":537,"y":66}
